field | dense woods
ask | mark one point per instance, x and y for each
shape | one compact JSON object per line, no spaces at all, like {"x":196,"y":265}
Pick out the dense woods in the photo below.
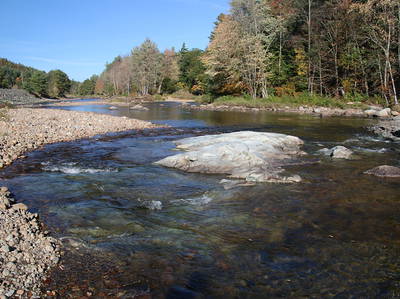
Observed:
{"x":334,"y":48}
{"x":339,"y":48}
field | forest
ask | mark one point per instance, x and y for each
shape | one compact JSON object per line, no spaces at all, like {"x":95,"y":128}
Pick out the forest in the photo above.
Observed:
{"x":346,"y":49}
{"x":332,"y":48}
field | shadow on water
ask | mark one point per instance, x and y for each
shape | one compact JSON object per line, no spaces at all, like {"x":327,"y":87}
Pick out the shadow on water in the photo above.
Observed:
{"x":145,"y":230}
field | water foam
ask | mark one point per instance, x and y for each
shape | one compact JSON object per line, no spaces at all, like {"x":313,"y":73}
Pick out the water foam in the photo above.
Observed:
{"x":72,"y":168}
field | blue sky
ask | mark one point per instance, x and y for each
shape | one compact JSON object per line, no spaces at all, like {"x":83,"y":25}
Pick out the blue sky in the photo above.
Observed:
{"x":80,"y":36}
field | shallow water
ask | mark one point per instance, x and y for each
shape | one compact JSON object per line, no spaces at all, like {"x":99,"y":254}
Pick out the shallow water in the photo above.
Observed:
{"x":148,"y":230}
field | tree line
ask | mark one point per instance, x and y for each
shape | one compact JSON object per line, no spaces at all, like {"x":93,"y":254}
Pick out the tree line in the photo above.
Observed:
{"x":336,"y":48}
{"x":53,"y":84}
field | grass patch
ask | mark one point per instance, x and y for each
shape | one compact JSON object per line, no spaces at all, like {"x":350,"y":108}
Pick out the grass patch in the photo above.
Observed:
{"x":286,"y":101}
{"x":186,"y":95}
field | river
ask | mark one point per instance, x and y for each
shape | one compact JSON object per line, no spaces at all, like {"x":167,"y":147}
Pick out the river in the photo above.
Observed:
{"x":152,"y":232}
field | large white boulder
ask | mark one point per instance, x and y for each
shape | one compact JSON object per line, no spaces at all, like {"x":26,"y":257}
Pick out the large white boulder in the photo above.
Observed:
{"x":253,"y":156}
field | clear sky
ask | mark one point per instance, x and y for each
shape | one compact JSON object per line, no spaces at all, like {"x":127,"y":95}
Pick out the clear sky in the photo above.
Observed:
{"x":80,"y":36}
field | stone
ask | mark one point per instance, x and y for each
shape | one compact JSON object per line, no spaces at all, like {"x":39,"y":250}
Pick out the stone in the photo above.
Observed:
{"x":387,"y":112}
{"x":341,"y":152}
{"x":139,"y":107}
{"x":370,"y":112}
{"x":20,"y":292}
{"x":385,"y":171}
{"x":19,"y":206}
{"x":388,"y":128}
{"x":337,"y":152}
{"x":253,"y":156}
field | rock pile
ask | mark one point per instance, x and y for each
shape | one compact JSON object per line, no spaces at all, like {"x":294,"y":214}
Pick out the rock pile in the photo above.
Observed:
{"x":18,"y":97}
{"x":384,"y":113}
{"x":26,"y":252}
{"x":388,"y":129}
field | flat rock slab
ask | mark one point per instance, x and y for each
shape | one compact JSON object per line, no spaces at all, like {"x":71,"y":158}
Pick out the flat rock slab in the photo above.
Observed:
{"x":385,"y":171}
{"x":253,"y":156}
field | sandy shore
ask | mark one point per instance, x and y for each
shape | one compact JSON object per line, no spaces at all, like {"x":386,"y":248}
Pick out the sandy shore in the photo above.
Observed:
{"x":26,"y":252}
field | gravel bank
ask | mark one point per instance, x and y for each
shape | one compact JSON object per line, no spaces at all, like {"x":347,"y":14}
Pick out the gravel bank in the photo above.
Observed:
{"x":26,"y":253}
{"x":26,"y":129}
{"x":18,"y":97}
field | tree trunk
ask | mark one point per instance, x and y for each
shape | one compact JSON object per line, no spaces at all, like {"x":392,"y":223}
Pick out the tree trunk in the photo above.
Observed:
{"x":309,"y":46}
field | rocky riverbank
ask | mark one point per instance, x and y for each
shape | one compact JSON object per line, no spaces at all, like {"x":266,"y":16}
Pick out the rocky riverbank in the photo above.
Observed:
{"x":322,"y":111}
{"x":18,"y":97}
{"x":373,"y":111}
{"x":26,"y":129}
{"x":26,"y":252}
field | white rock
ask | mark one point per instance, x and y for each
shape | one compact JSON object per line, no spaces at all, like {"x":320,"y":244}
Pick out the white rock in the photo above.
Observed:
{"x":337,"y":152}
{"x":387,"y":112}
{"x":252,"y":156}
{"x":370,"y":112}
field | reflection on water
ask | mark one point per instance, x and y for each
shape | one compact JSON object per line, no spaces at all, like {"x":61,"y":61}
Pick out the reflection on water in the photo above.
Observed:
{"x":151,"y":230}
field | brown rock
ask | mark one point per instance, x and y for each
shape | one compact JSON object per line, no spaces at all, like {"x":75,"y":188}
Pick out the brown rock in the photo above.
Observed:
{"x":385,"y":171}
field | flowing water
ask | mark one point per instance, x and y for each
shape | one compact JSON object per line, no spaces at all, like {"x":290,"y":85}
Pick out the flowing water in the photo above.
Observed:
{"x":148,"y":231}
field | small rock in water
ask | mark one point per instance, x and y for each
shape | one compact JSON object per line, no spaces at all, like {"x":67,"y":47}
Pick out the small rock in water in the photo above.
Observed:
{"x":230,"y":184}
{"x":385,"y":171}
{"x":337,"y":152}
{"x":341,"y":152}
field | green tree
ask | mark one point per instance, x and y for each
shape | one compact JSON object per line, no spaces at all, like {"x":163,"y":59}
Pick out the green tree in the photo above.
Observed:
{"x":192,"y":69}
{"x":58,"y":83}
{"x":36,"y":83}
{"x":88,"y":86}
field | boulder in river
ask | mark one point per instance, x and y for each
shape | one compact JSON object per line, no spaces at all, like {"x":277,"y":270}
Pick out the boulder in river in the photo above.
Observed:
{"x":384,"y":113}
{"x":337,"y":152}
{"x":139,"y":107}
{"x":385,"y":171}
{"x":388,"y":129}
{"x":253,"y":156}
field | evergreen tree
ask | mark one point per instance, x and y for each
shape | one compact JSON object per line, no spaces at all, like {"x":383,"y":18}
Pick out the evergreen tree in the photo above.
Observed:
{"x":58,"y":84}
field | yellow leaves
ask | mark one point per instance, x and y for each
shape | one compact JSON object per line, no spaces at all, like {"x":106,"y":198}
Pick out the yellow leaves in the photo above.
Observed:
{"x":301,"y":61}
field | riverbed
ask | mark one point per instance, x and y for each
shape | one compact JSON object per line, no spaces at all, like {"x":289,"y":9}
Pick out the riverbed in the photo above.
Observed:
{"x":137,"y":229}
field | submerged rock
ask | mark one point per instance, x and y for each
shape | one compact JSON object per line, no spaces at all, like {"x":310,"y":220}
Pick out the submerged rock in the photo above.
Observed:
{"x":385,"y":171}
{"x":139,"y":107}
{"x":253,"y":156}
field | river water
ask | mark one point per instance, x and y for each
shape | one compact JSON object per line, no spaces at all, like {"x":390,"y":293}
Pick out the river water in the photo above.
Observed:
{"x":151,"y":232}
